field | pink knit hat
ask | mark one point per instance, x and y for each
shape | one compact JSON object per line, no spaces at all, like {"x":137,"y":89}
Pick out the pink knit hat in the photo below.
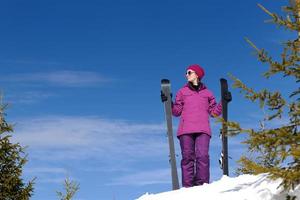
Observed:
{"x":198,"y":69}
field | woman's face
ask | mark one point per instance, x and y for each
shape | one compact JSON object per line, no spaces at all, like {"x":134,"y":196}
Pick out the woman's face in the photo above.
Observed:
{"x":191,"y":76}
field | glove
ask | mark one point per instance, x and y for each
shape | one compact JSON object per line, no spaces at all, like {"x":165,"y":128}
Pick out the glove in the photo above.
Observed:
{"x":227,"y":96}
{"x":163,"y":97}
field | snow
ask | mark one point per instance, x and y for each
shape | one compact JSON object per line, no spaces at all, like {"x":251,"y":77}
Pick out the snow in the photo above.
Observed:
{"x":243,"y":187}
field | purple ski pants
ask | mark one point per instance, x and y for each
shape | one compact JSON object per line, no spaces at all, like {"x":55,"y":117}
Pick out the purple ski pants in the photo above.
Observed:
{"x":195,"y":159}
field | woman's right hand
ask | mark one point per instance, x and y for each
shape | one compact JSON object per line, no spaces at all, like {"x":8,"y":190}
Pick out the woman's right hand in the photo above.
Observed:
{"x":163,"y":97}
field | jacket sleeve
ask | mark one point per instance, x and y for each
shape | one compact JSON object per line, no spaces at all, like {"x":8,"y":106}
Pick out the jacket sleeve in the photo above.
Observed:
{"x":177,"y":106}
{"x":214,"y":109}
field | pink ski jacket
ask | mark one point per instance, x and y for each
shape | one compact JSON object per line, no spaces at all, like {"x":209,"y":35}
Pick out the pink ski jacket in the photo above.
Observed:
{"x":194,"y":108}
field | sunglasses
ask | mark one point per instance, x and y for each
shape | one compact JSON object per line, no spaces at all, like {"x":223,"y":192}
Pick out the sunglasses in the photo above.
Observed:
{"x":189,"y":73}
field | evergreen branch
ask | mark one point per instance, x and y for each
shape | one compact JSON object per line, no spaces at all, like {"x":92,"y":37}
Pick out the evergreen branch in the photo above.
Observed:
{"x":234,"y":128}
{"x":267,"y":11}
{"x":71,"y":187}
{"x":12,"y":160}
{"x":288,"y":66}
{"x":273,"y":100}
{"x":280,"y":21}
{"x":252,"y":44}
{"x":248,"y":166}
{"x":275,"y":151}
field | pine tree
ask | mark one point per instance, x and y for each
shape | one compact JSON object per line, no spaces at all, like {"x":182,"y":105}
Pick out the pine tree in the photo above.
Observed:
{"x":71,"y":187}
{"x":275,"y":151}
{"x":12,"y":159}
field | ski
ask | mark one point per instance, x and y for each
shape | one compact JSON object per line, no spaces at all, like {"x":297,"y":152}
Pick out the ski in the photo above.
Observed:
{"x":166,"y":90}
{"x":226,"y":98}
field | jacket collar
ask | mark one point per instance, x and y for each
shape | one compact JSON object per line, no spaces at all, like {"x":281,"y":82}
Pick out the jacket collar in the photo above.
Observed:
{"x":201,"y":87}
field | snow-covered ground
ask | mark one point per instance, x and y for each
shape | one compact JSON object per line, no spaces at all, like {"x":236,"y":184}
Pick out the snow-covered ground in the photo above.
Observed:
{"x":244,"y":187}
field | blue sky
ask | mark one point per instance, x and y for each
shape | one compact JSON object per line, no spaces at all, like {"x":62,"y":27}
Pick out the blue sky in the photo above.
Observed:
{"x":83,"y":82}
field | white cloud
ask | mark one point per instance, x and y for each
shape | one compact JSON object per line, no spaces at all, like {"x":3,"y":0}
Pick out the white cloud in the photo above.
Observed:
{"x":51,"y":180}
{"x":47,"y":170}
{"x":60,"y":78}
{"x":46,"y":174}
{"x":28,"y":97}
{"x":158,"y":176}
{"x":62,"y":137}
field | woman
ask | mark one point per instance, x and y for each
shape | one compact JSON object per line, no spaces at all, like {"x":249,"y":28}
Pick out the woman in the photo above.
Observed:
{"x":194,"y":104}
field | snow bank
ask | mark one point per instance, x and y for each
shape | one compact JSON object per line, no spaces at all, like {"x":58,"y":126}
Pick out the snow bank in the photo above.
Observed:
{"x":244,"y":187}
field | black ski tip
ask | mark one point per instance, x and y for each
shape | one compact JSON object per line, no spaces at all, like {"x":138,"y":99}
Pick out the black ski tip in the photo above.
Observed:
{"x":165,"y":81}
{"x":223,"y":80}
